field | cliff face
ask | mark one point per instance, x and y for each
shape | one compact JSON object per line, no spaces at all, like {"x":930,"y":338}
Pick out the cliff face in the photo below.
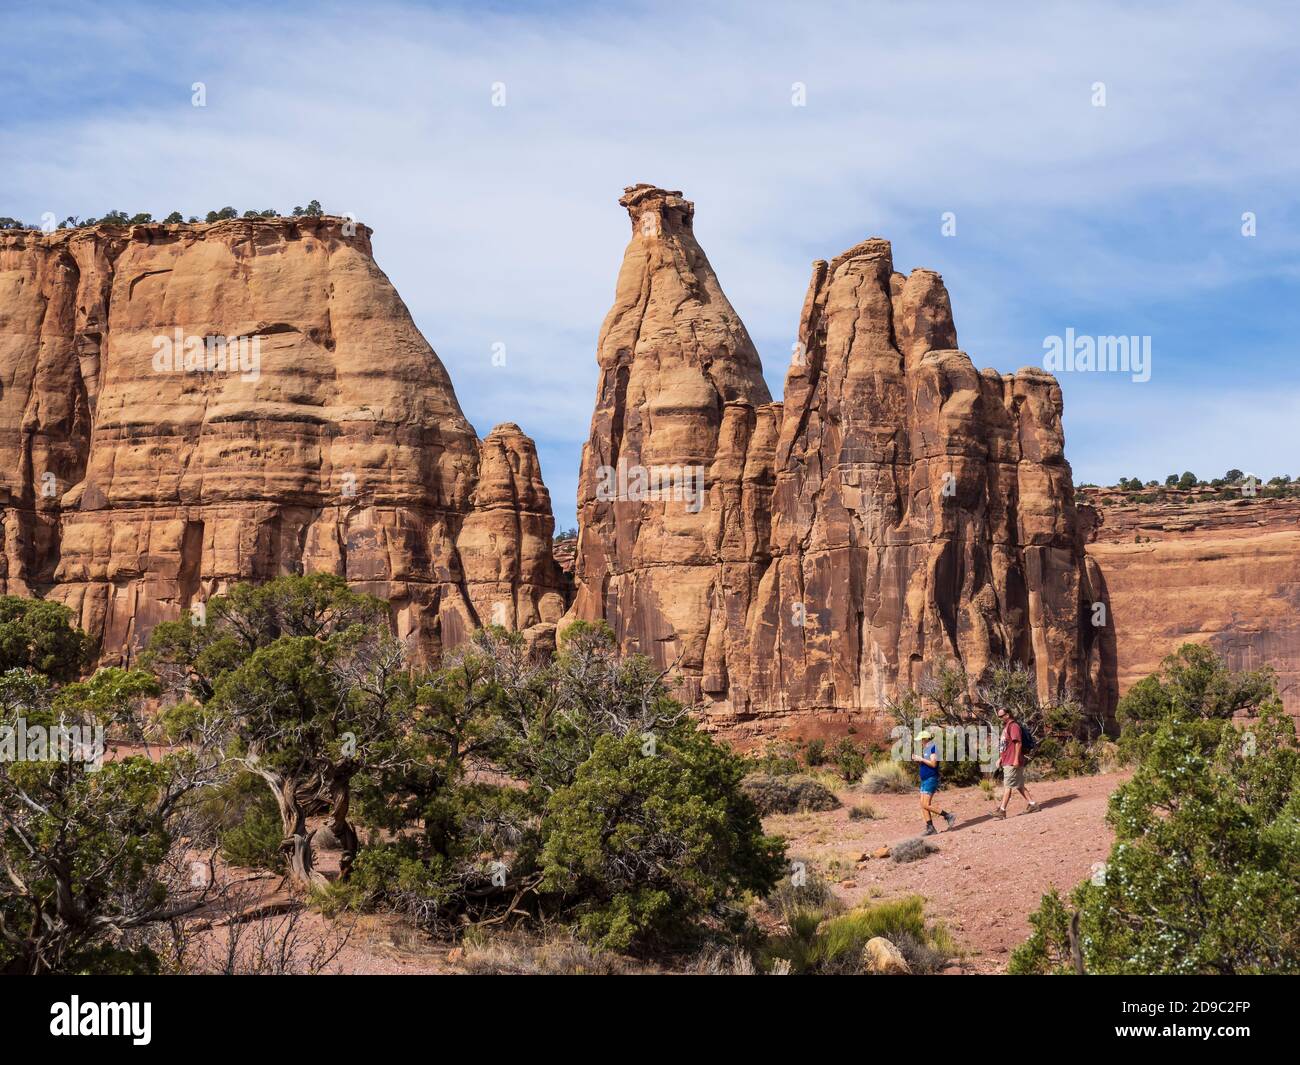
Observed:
{"x":182,"y":407}
{"x":899,"y":509}
{"x":923,"y":509}
{"x":1226,"y":573}
{"x":188,"y":406}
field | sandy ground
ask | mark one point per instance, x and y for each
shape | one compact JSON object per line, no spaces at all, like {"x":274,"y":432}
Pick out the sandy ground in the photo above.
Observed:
{"x":986,"y":877}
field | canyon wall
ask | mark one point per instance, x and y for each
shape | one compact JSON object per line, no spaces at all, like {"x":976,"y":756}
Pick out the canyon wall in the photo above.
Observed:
{"x":1223,"y":572}
{"x":899,"y":509}
{"x":182,"y":407}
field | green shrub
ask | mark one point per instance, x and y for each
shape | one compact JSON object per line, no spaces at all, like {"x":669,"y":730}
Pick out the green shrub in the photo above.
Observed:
{"x":1195,"y":687}
{"x":1201,"y":879}
{"x":38,"y":635}
{"x":402,"y":878}
{"x":255,"y":844}
{"x":1063,"y":758}
{"x":814,"y":753}
{"x":644,"y":846}
{"x":849,"y":760}
{"x":777,"y":760}
{"x":242,"y":819}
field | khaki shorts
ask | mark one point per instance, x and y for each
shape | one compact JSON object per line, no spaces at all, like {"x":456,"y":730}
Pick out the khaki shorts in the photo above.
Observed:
{"x":1013,"y":776}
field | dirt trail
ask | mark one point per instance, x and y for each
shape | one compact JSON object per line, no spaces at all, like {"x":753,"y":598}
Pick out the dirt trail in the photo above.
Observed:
{"x":987,"y":875}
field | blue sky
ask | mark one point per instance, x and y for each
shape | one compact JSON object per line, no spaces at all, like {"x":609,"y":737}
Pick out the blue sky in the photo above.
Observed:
{"x":500,"y":224}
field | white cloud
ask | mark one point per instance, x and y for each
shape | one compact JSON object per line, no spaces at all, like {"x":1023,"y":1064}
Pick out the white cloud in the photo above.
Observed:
{"x":500,"y":223}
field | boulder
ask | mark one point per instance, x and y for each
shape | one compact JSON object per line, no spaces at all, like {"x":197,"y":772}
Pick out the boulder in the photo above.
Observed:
{"x":880,"y":956}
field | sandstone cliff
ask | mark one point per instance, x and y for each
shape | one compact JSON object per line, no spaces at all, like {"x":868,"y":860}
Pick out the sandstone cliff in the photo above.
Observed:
{"x":188,"y":406}
{"x":899,"y":509}
{"x":1226,"y":573}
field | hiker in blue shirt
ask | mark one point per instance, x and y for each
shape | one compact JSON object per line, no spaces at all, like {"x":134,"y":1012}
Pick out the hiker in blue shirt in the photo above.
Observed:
{"x":928,"y":761}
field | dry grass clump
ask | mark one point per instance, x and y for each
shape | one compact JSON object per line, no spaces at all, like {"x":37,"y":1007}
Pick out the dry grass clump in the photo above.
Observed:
{"x":820,"y":943}
{"x":887,"y":776}
{"x":912,"y":850}
{"x":863,"y":811}
{"x":556,"y":953}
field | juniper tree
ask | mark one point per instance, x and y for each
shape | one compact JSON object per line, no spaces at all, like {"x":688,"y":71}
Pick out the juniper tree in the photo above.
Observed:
{"x":94,"y":855}
{"x":1201,"y":878}
{"x":304,"y":681}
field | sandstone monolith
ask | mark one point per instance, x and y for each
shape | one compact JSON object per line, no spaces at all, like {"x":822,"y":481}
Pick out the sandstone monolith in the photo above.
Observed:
{"x":672,"y":502}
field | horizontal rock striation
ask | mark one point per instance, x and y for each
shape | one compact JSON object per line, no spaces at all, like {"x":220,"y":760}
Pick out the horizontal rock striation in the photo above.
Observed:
{"x":1223,"y":572}
{"x":184,"y":407}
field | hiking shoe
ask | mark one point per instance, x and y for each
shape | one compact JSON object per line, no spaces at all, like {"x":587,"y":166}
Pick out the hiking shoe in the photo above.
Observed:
{"x":1033,"y":808}
{"x":929,"y":829}
{"x":1000,"y":814}
{"x":951,"y":819}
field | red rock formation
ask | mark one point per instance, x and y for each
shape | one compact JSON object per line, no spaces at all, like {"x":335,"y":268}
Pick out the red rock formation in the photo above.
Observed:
{"x":1226,"y":573}
{"x":135,"y":483}
{"x":671,"y":509}
{"x":923,"y":509}
{"x":900,"y":509}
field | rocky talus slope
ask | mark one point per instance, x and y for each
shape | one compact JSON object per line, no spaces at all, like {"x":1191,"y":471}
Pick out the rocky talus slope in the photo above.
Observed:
{"x":1226,"y":573}
{"x":900,"y":508}
{"x":182,"y":407}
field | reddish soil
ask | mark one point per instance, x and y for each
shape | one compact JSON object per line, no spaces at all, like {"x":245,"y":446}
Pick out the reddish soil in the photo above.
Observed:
{"x":986,"y":876}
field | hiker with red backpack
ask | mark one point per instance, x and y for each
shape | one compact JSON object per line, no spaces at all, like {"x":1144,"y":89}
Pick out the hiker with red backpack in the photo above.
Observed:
{"x":1015,"y":743}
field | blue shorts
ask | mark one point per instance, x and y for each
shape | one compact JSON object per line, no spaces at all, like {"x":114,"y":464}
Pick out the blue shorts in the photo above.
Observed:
{"x":929,"y":787}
